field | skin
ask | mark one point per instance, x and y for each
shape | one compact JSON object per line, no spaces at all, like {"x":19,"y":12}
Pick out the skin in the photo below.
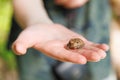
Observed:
{"x":50,"y":38}
{"x":70,"y":4}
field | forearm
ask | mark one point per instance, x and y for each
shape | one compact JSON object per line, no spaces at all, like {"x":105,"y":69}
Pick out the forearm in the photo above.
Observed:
{"x":29,"y":12}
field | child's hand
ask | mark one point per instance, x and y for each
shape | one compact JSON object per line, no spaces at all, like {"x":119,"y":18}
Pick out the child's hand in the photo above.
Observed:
{"x":51,"y":39}
{"x":70,"y":4}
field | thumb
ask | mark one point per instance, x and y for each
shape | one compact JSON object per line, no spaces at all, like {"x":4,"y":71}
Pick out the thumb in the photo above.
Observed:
{"x":22,"y":43}
{"x":19,"y":48}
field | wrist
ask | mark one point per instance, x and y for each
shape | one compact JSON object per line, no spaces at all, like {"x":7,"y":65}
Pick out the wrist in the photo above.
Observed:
{"x":39,"y":21}
{"x":33,"y":21}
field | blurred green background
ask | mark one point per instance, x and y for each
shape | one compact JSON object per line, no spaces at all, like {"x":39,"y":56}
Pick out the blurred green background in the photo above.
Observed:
{"x":6,"y":56}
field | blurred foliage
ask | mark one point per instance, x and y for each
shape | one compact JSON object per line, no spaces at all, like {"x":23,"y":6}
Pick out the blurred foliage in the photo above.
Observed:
{"x":5,"y":22}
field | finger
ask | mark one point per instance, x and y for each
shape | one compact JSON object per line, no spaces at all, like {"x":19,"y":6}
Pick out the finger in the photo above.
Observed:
{"x":18,"y":48}
{"x":104,"y":47}
{"x":67,"y":57}
{"x":99,"y":51}
{"x":57,"y":51}
{"x":71,"y":56}
{"x":22,"y":43}
{"x":90,"y":55}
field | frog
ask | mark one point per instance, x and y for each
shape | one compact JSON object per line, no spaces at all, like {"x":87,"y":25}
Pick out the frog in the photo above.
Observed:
{"x":75,"y":43}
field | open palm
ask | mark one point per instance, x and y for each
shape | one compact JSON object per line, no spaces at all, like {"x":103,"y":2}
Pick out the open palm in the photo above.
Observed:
{"x":51,"y":39}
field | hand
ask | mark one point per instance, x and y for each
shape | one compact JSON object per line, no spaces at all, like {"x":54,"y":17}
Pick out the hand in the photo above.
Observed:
{"x":70,"y":4}
{"x":51,"y":39}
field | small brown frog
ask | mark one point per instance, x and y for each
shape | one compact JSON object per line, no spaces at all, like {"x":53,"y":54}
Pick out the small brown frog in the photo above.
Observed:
{"x":75,"y":43}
